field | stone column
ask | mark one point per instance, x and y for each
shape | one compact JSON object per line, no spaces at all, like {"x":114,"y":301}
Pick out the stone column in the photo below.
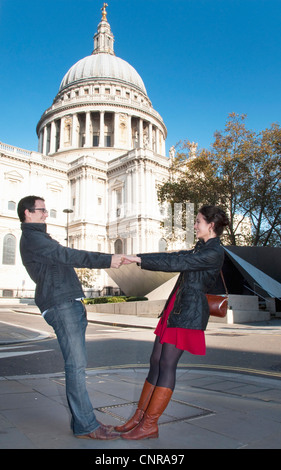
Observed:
{"x":101,"y":141}
{"x":130,"y":132}
{"x":82,"y":194}
{"x":61,"y":133}
{"x":87,"y":129}
{"x":44,"y":150}
{"x":135,"y":200}
{"x":157,"y":140}
{"x":150,"y":136}
{"x":142,"y":188}
{"x":116,"y":130}
{"x":128,"y":202}
{"x":40,"y":142}
{"x":74,"y":136}
{"x":140,"y":133}
{"x":53,"y":137}
{"x":78,"y":200}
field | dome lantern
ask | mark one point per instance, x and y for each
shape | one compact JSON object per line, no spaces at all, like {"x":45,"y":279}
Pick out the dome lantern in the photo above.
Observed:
{"x":103,"y":39}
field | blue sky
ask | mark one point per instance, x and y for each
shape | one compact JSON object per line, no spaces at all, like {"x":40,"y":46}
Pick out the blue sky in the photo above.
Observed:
{"x":199,"y":59}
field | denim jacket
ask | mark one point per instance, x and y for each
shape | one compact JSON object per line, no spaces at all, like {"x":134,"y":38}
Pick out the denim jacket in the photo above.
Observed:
{"x":199,"y":269}
{"x":51,"y":266}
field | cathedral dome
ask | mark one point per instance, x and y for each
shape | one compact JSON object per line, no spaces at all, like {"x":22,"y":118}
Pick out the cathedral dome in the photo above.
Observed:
{"x":101,"y":103}
{"x":103,"y":66}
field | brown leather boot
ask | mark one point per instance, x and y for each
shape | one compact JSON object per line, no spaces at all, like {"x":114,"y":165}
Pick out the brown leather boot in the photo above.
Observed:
{"x":143,"y":403}
{"x":148,"y":427}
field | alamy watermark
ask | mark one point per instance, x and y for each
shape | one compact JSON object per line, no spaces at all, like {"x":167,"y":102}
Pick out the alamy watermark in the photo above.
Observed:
{"x":178,"y":223}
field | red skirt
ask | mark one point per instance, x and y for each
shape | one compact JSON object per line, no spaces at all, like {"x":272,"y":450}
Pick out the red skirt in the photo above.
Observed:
{"x":192,"y":341}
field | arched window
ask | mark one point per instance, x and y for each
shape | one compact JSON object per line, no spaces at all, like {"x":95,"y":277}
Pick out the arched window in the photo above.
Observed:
{"x":11,"y":206}
{"x":9,"y":249}
{"x":118,"y":247}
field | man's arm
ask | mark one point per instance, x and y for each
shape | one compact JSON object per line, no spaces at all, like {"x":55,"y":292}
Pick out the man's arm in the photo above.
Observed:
{"x":46,"y":250}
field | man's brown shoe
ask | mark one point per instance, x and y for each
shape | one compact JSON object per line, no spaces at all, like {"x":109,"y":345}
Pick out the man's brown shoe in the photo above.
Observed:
{"x":103,"y":433}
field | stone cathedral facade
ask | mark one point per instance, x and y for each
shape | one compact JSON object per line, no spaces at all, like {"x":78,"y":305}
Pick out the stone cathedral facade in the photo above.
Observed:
{"x":101,"y":154}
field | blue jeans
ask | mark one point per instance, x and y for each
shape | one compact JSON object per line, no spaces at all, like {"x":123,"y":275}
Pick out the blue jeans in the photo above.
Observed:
{"x":69,"y":322}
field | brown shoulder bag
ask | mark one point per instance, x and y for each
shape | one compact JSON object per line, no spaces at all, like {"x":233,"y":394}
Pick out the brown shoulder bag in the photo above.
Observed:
{"x":218,"y":303}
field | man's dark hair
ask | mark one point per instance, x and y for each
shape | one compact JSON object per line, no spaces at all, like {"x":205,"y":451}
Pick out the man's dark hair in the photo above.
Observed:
{"x":27,"y":202}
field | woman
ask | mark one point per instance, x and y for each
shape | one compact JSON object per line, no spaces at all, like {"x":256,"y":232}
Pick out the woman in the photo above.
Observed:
{"x":183,"y":320}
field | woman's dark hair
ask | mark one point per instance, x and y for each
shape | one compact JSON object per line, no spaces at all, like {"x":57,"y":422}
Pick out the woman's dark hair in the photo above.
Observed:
{"x":217,"y":215}
{"x":27,"y":202}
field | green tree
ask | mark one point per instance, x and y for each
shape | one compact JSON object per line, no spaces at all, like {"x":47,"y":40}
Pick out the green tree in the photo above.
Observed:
{"x":241,"y":173}
{"x":264,"y":204}
{"x":86,"y":276}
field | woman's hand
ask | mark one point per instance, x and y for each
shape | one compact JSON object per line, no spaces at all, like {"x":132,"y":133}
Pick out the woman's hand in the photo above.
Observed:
{"x":131,"y":259}
{"x":118,"y":260}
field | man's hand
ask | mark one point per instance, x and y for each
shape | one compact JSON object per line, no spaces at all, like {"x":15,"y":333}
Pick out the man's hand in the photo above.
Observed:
{"x":116,"y":261}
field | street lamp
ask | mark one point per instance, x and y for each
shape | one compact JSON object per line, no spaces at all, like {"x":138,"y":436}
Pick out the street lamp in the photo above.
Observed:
{"x":67,"y":211}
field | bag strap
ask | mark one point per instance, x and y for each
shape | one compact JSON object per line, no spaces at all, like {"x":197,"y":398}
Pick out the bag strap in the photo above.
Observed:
{"x":222,"y":276}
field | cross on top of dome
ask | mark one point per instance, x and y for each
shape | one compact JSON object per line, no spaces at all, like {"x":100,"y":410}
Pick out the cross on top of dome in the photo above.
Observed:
{"x":104,"y":12}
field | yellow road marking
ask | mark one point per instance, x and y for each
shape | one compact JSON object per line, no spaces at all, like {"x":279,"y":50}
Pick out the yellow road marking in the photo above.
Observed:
{"x":195,"y":366}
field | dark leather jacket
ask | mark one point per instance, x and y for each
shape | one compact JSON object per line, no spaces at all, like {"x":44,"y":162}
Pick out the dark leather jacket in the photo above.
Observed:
{"x":199,"y":269}
{"x":50,"y":265}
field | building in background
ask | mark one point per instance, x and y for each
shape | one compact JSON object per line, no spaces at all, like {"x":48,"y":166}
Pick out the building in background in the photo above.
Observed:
{"x":101,"y":154}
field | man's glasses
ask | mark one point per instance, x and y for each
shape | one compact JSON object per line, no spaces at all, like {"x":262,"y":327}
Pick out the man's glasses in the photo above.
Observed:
{"x":40,"y":209}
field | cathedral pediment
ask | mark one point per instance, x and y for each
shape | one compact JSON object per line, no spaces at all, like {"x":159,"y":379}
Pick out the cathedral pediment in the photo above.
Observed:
{"x":14,"y":176}
{"x":55,"y":186}
{"x":118,"y":183}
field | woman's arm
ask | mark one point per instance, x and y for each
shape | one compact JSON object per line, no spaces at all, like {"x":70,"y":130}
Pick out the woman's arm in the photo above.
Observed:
{"x":183,"y":261}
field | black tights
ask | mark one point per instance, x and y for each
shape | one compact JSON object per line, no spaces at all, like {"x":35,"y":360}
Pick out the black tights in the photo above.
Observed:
{"x":163,"y":364}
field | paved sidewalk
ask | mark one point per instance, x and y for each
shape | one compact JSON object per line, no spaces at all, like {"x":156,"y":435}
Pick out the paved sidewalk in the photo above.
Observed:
{"x":210,"y":409}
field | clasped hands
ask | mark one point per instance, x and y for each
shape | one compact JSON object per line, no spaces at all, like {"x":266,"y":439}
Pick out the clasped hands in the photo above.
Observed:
{"x":119,"y":260}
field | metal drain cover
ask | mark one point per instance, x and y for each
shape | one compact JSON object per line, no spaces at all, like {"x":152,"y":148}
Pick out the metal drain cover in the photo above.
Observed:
{"x":176,"y":411}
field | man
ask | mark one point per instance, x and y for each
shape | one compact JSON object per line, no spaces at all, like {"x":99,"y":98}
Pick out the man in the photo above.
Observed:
{"x":58,"y":295}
